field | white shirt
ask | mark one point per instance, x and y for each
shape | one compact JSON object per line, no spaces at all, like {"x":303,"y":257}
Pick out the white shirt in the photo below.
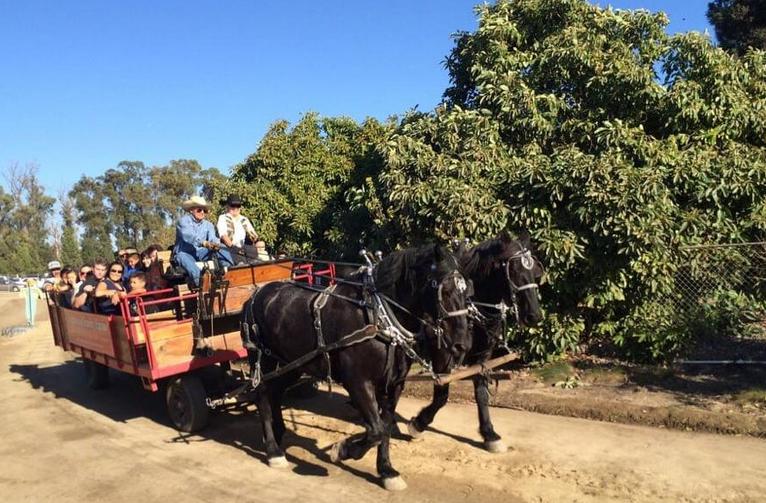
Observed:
{"x":237,"y":228}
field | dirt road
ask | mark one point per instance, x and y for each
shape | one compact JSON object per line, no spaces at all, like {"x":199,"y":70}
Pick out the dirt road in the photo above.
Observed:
{"x":62,"y":442}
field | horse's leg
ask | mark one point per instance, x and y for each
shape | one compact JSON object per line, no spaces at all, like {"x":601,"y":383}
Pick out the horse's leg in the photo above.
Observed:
{"x":388,"y":410}
{"x":419,"y":423}
{"x":274,"y":453}
{"x":492,"y":441}
{"x":278,"y":391}
{"x":376,"y":433}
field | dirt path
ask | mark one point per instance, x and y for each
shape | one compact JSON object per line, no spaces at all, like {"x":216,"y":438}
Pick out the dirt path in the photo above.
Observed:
{"x":62,"y":442}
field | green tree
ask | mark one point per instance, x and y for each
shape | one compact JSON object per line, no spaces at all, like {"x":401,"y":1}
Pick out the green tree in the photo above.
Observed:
{"x":26,"y":247}
{"x":307,"y":188}
{"x":70,"y":247}
{"x":557,"y":121}
{"x":739,"y":24}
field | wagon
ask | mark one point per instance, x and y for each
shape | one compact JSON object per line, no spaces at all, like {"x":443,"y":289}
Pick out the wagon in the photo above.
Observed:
{"x":186,"y":347}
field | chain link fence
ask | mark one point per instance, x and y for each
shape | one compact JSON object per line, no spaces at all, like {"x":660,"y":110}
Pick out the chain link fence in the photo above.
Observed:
{"x":721,"y":278}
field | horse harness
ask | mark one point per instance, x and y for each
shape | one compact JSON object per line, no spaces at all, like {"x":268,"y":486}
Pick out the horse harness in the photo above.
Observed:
{"x":382,"y":323}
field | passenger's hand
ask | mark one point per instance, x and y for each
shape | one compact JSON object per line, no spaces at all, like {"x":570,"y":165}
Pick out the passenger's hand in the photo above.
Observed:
{"x":88,"y":288}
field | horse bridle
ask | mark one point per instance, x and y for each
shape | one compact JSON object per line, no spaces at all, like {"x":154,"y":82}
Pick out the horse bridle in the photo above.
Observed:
{"x":528,"y":262}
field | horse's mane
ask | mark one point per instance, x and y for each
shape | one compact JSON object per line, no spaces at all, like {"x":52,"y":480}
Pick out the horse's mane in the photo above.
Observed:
{"x":477,"y":262}
{"x":398,"y":269}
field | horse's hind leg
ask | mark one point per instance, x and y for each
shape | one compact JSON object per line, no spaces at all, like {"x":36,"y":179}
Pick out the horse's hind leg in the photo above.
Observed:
{"x":376,"y":433}
{"x":419,"y":423}
{"x":492,"y":441}
{"x":274,"y":453}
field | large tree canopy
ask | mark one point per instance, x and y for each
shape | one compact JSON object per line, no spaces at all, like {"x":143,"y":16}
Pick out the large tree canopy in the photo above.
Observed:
{"x":739,"y":24}
{"x":557,"y":121}
{"x":307,"y":188}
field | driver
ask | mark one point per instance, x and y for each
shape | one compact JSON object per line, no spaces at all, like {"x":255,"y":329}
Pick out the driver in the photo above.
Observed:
{"x":196,"y":240}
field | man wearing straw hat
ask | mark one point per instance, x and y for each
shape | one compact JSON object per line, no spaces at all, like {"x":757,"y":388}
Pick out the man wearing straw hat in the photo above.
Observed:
{"x":196,"y":240}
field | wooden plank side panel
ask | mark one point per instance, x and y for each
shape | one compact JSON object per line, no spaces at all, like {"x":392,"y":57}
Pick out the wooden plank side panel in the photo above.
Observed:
{"x":269,"y":272}
{"x":176,"y":350}
{"x":53,"y":316}
{"x":121,"y":341}
{"x":235,"y":299}
{"x":90,"y":331}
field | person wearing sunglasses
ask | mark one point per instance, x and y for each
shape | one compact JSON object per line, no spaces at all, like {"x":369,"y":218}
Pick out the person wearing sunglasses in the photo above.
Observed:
{"x":196,"y":240}
{"x":110,"y":290}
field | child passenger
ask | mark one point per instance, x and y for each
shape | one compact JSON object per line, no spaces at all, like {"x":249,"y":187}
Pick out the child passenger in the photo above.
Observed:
{"x":138,"y":286}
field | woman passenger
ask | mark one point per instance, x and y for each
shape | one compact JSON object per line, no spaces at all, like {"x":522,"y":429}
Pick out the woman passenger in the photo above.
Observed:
{"x":65,"y":287}
{"x":110,"y":290}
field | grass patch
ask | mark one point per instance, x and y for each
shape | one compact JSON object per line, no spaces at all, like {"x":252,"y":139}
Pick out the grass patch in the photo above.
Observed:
{"x":554,"y":372}
{"x":754,"y":396}
{"x":601,"y":375}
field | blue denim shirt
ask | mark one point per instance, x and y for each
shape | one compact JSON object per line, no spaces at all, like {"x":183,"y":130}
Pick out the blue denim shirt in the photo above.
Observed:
{"x":190,"y":234}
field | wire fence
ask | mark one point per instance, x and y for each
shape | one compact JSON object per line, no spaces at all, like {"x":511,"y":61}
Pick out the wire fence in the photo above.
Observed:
{"x":709,"y":275}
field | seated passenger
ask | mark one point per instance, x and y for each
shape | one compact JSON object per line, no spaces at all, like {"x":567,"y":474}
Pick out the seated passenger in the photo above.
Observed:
{"x":110,"y":290}
{"x":131,"y":266}
{"x":83,"y":299}
{"x":235,"y":228}
{"x":150,"y":265}
{"x":85,"y":272}
{"x":138,"y":285}
{"x":196,"y":240}
{"x":64,"y":289}
{"x":54,"y":271}
{"x":261,"y":253}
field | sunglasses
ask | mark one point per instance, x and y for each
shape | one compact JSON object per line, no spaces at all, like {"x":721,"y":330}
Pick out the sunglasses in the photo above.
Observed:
{"x":199,"y":210}
{"x":116,"y":270}
{"x":235,"y":206}
{"x":85,"y":273}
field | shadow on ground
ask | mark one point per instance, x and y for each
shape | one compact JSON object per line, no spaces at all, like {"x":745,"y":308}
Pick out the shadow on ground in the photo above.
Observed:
{"x":126,"y":399}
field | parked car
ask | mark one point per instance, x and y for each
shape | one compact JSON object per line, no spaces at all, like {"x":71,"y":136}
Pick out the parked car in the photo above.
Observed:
{"x":10,"y":284}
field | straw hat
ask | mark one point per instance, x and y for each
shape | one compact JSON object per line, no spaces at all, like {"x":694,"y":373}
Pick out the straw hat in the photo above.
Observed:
{"x":195,"y":202}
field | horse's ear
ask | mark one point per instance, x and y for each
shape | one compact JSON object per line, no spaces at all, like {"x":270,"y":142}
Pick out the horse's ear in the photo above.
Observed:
{"x":525,"y":239}
{"x":505,"y":236}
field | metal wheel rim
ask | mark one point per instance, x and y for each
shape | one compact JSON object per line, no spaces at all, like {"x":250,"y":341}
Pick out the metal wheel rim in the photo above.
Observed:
{"x":178,"y":406}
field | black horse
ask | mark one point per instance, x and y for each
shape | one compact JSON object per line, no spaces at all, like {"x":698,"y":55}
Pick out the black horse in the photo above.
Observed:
{"x":503,"y":272}
{"x":286,"y":321}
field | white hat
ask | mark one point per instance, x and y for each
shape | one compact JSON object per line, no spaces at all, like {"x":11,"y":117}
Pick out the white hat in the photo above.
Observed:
{"x":54,"y":264}
{"x":195,"y":202}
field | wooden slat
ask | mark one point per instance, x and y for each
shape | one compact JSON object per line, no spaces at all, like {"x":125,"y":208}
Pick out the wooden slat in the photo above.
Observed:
{"x":90,"y":331}
{"x":466,"y":372}
{"x":176,"y":350}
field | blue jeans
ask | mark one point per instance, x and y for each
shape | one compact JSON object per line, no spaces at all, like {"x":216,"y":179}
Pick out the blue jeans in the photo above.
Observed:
{"x":189,"y":261}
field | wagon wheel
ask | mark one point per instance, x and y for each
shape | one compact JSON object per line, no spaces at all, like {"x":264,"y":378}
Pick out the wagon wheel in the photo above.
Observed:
{"x":96,"y":374}
{"x":185,"y":399}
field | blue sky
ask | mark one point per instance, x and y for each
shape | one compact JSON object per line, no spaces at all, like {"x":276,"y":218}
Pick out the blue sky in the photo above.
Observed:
{"x":85,"y":84}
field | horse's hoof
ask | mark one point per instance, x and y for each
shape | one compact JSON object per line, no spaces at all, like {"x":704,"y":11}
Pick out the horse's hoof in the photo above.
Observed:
{"x":335,"y":452}
{"x":495,"y":446}
{"x":394,"y":484}
{"x":413,"y":430}
{"x":278,"y":462}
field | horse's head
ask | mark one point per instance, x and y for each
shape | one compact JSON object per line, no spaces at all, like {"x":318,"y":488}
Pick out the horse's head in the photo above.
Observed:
{"x":521,"y":272}
{"x":444,"y":293}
